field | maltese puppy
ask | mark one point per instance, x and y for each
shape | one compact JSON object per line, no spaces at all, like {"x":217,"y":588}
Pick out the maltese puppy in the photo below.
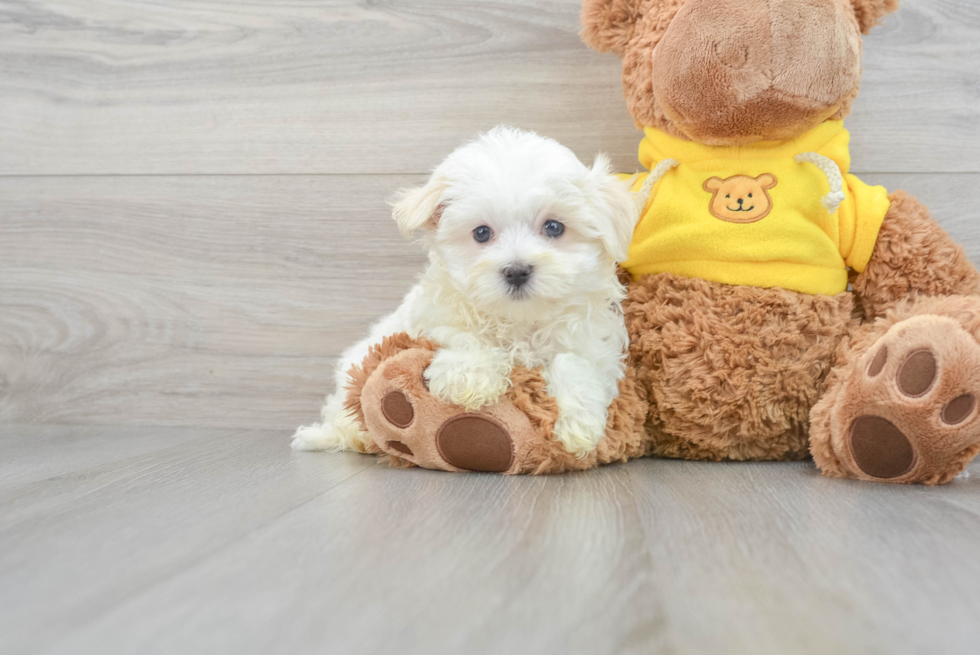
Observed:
{"x":523,"y":242}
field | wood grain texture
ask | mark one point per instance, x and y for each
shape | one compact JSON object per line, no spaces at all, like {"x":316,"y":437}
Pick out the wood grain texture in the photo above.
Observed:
{"x":32,"y":453}
{"x":157,"y":298}
{"x":192,"y":227}
{"x":220,"y":301}
{"x":778,"y":559}
{"x":80,"y":539}
{"x":219,"y":541}
{"x":305,"y":86}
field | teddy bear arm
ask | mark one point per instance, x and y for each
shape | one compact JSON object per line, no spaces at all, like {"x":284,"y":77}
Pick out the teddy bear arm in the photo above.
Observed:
{"x":913,"y":258}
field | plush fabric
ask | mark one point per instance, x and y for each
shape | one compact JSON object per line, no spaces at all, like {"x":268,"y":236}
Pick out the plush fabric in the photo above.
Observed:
{"x":913,"y":257}
{"x":867,"y":382}
{"x":893,"y":386}
{"x":522,"y":421}
{"x":879,"y":383}
{"x":752,"y":215}
{"x":726,"y":72}
{"x":741,"y":71}
{"x":869,"y":12}
{"x":731,"y":372}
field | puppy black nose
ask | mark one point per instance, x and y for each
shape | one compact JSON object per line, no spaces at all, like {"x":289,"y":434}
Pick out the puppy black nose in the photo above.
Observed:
{"x":517,"y":275}
{"x":740,"y":201}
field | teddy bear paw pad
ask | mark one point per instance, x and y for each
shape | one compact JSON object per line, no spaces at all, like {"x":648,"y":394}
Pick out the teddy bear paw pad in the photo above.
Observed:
{"x":475,"y":443}
{"x":397,"y":408}
{"x":879,"y":448}
{"x":408,"y":423}
{"x":909,"y":413}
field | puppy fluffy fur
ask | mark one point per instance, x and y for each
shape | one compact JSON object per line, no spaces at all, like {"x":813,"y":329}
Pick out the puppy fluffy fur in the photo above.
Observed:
{"x":563,"y":317}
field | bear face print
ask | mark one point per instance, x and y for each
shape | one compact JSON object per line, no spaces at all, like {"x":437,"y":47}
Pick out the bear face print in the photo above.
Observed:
{"x":740,"y":198}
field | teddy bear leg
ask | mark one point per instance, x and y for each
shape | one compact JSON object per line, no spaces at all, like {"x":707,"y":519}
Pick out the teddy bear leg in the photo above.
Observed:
{"x":731,"y":372}
{"x":411,"y":425}
{"x":901,"y":405}
{"x":514,"y":435}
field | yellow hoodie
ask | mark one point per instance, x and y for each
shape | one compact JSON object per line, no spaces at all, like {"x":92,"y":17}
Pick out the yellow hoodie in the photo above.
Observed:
{"x":757,"y":215}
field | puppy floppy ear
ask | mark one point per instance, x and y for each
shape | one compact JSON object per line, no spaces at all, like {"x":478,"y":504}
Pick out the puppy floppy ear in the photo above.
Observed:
{"x":420,"y":207}
{"x":869,"y":12}
{"x":609,"y":25}
{"x":616,"y":209}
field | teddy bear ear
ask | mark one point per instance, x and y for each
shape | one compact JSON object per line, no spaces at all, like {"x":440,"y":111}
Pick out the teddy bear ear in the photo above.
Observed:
{"x":607,"y":25}
{"x":712,"y":184}
{"x":870,"y":12}
{"x":766,"y":180}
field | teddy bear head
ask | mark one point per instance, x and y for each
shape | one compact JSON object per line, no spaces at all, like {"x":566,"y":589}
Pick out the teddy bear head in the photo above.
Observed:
{"x":733,"y":72}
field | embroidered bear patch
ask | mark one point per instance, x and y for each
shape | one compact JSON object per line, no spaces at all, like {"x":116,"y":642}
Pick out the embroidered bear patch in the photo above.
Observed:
{"x":740,"y":198}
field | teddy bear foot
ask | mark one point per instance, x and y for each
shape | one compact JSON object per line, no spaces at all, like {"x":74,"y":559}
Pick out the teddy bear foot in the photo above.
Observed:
{"x":388,"y":399}
{"x":906,"y":411}
{"x":414,"y":428}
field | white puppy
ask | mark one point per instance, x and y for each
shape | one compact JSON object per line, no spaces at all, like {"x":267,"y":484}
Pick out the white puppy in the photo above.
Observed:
{"x":523,"y":242}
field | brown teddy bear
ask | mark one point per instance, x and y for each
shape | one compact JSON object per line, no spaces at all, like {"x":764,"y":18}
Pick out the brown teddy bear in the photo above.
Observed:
{"x":778,"y":307}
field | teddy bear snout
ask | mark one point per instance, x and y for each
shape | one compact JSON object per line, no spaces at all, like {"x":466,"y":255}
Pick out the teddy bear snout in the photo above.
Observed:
{"x":728,"y":72}
{"x":731,"y":53}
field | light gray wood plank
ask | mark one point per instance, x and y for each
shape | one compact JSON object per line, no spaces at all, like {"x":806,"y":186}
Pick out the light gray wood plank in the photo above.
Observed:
{"x":230,"y":542}
{"x":189,"y":300}
{"x":918,"y":68}
{"x":31,"y":453}
{"x":221,"y":301}
{"x":774,"y":558}
{"x":344,"y":87}
{"x":413,"y":561}
{"x":80,"y":542}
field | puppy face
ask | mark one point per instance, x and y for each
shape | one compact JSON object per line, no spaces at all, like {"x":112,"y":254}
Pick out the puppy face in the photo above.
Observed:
{"x":519,"y":225}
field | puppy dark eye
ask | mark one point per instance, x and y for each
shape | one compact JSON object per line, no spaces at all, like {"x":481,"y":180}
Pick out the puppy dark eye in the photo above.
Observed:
{"x":750,"y":195}
{"x":482,"y":234}
{"x":553,"y":229}
{"x":728,"y":195}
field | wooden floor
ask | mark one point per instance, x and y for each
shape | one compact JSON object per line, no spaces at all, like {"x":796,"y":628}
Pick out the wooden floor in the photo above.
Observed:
{"x":193,"y":225}
{"x":181,"y":540}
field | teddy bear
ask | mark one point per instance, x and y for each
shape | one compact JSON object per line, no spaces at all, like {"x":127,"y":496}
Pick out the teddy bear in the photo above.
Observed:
{"x":778,"y":307}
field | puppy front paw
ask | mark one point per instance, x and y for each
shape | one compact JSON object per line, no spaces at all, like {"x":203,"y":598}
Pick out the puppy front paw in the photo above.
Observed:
{"x":470,"y":379}
{"x":583,"y":395}
{"x":579,"y":431}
